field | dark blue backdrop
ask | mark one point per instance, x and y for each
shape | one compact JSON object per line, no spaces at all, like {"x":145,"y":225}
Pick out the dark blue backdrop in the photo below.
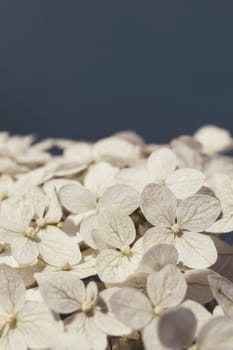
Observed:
{"x":84,"y":69}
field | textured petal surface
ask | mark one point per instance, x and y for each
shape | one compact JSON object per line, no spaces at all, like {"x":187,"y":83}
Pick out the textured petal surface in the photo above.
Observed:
{"x":167,"y":287}
{"x":196,"y":213}
{"x":196,"y":250}
{"x":132,"y":307}
{"x":185,"y":182}
{"x":63,"y":292}
{"x":158,"y":204}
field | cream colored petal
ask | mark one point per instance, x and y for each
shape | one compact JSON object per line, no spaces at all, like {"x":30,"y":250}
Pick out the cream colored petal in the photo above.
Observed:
{"x":191,"y":253}
{"x":77,"y":199}
{"x":63,"y":292}
{"x":87,"y":230}
{"x":157,"y":257}
{"x":185,"y":182}
{"x":116,"y":228}
{"x":70,"y":341}
{"x":87,"y":329}
{"x":54,"y":212}
{"x":222,"y":290}
{"x":14,"y":340}
{"x":158,"y":235}
{"x":150,"y":336}
{"x":114,"y":266}
{"x":81,"y":152}
{"x":12,"y":290}
{"x":37,"y":325}
{"x":99,"y":177}
{"x":167,"y":287}
{"x":91,"y":292}
{"x":138,"y":178}
{"x":110,"y":325}
{"x":24,"y":250}
{"x":121,"y":196}
{"x":213,"y":138}
{"x":57,"y":248}
{"x":223,"y":225}
{"x":176,"y":328}
{"x":107,"y":320}
{"x":201,"y":314}
{"x":115,"y":147}
{"x":161,"y":163}
{"x":158,"y":205}
{"x":132,"y":308}
{"x":211,"y":338}
{"x":198,"y":212}
{"x":38,"y":199}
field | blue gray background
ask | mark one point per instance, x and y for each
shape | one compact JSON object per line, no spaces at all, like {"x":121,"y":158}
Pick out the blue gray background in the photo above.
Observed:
{"x":84,"y":69}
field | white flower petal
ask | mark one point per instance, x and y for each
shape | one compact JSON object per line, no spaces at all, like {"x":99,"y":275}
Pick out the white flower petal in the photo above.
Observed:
{"x":196,"y":250}
{"x":167,"y":287}
{"x":115,"y":147}
{"x":176,"y":328}
{"x":131,"y":307}
{"x":223,"y":225}
{"x":122,"y":196}
{"x":213,"y":138}
{"x":56,"y":247}
{"x":37,"y":325}
{"x":137,"y":178}
{"x":107,"y":320}
{"x":77,"y":199}
{"x":185,"y":182}
{"x":211,"y":338}
{"x":87,"y":328}
{"x":70,"y":341}
{"x":54,"y":212}
{"x":161,"y":163}
{"x":157,"y":257}
{"x":117,"y":229}
{"x":99,"y":177}
{"x":222,"y":290}
{"x":38,"y":200}
{"x":24,"y":250}
{"x":63,"y":292}
{"x":150,"y":336}
{"x":114,"y":267}
{"x":198,"y":212}
{"x":158,"y":205}
{"x":12,"y":290}
{"x":158,"y":235}
{"x":201,"y":314}
{"x":87,"y":230}
{"x":14,"y":340}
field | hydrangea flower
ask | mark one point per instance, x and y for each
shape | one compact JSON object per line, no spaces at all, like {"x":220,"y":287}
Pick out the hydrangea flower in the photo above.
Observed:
{"x":181,"y":224}
{"x":165,"y":289}
{"x":91,"y":317}
{"x":161,"y":169}
{"x":24,"y":324}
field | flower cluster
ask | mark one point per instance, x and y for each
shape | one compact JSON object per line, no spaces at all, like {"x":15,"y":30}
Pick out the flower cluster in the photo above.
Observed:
{"x":116,"y":245}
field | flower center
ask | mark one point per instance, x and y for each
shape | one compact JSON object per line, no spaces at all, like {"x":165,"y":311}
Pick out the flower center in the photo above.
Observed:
{"x":12,"y":321}
{"x":158,"y":309}
{"x":126,"y":250}
{"x":31,"y":233}
{"x":176,"y":229}
{"x":88,"y":308}
{"x":66,"y":267}
{"x":40,"y":222}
